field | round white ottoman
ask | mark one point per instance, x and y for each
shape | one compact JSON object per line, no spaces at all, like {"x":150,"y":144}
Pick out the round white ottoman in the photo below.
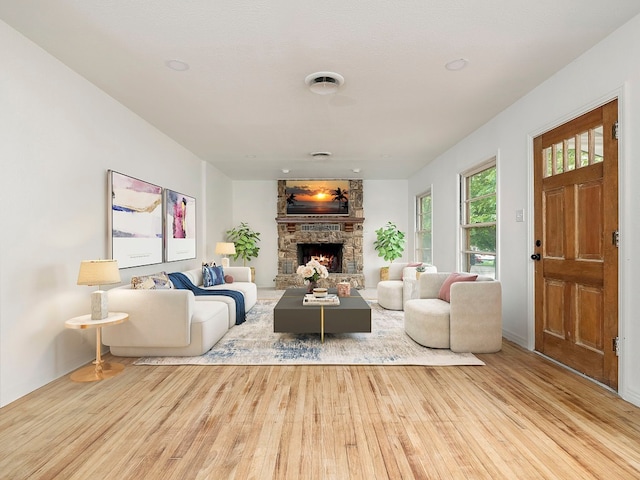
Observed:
{"x":426,"y":321}
{"x":390,"y":294}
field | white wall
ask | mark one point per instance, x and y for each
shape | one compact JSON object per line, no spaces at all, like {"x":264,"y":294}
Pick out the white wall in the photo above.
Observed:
{"x":255,"y":202}
{"x":60,"y":134}
{"x":609,"y":69}
{"x":384,"y":201}
{"x":219,"y":216}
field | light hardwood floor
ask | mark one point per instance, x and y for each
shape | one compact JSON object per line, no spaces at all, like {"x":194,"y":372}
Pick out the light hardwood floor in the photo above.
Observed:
{"x":518,"y":417}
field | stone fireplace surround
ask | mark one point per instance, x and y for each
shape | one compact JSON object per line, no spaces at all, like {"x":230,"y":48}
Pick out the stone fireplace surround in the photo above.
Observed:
{"x":343,"y":230}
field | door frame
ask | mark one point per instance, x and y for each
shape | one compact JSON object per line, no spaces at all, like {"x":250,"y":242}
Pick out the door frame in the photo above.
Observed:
{"x":624,"y":219}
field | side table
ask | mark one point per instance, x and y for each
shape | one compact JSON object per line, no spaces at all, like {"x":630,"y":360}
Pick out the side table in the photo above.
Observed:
{"x":102,"y":369}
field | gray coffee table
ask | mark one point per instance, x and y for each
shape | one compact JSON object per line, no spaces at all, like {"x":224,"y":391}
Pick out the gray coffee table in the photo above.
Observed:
{"x":290,"y":316}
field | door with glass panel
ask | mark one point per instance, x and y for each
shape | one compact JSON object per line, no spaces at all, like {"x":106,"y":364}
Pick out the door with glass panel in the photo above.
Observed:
{"x":576,"y":254}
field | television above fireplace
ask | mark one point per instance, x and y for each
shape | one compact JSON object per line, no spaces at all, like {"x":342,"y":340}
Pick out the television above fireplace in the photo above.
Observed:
{"x":317,"y":197}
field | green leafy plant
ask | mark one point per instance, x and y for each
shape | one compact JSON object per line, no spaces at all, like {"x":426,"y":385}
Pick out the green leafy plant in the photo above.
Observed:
{"x":246,"y":242}
{"x":389,"y":242}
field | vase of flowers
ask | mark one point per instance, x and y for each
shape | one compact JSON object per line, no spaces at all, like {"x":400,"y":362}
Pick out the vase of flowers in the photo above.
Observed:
{"x":311,"y":273}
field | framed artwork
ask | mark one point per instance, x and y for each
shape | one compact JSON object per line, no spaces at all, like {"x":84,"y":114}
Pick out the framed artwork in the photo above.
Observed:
{"x":135,"y":221}
{"x":180,"y":226}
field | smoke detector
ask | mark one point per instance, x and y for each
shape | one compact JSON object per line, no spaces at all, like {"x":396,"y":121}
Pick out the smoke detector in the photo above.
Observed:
{"x":320,"y":155}
{"x":324,"y":83}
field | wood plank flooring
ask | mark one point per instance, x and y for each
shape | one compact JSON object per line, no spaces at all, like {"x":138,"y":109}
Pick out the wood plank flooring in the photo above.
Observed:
{"x":518,"y":417}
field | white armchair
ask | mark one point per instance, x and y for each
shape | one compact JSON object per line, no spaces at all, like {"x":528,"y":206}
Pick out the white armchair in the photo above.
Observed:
{"x":394,"y":292}
{"x":470,"y":322}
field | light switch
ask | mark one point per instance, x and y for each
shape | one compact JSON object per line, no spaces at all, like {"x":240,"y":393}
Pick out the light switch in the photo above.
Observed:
{"x":520,"y":215}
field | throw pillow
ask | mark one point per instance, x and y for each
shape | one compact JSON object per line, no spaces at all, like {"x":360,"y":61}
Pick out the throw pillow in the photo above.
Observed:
{"x":445,"y":289}
{"x":155,"y":281}
{"x":228,"y":279}
{"x":212,"y":275}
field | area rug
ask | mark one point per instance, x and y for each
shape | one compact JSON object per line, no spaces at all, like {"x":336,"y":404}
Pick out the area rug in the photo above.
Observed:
{"x":255,"y":343}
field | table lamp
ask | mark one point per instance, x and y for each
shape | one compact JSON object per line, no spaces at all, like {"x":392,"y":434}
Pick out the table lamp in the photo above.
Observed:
{"x":225,"y":248}
{"x":98,"y":272}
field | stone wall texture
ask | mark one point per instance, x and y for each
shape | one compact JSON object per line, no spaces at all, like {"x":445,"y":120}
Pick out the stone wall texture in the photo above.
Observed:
{"x":347,"y":231}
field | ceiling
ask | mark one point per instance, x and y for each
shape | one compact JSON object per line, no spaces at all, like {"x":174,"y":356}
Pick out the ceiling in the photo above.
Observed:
{"x":243,"y":104}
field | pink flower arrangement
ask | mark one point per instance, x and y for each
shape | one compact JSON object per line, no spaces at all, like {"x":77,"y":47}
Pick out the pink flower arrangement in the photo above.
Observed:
{"x":312,"y":271}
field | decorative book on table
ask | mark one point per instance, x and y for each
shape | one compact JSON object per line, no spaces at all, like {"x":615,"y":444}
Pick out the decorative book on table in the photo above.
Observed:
{"x":330,"y":299}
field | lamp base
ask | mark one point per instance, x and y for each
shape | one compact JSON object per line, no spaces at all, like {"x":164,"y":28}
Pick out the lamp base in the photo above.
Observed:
{"x":225,"y":262}
{"x":99,"y":309}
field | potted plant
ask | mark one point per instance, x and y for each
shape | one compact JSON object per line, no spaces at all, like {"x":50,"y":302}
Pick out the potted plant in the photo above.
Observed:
{"x":389,"y":244}
{"x":246,"y":242}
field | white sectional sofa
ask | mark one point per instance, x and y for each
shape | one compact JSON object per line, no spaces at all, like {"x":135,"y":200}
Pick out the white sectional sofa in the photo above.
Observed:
{"x":175,"y":322}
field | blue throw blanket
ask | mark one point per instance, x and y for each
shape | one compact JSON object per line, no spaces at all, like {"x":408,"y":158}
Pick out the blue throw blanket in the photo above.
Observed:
{"x":180,"y":280}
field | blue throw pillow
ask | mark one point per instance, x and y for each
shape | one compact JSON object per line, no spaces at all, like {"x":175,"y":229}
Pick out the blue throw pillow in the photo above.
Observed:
{"x":212,"y":276}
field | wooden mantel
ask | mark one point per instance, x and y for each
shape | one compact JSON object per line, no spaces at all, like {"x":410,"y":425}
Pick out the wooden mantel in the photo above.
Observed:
{"x":292,"y":219}
{"x":291,"y":222}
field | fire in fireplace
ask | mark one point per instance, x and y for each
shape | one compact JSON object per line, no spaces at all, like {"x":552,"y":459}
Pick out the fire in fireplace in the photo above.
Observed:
{"x":328,"y":254}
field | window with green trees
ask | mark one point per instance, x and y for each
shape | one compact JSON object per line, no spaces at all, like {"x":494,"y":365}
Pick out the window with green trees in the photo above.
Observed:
{"x":423,"y":228}
{"x":479,"y":220}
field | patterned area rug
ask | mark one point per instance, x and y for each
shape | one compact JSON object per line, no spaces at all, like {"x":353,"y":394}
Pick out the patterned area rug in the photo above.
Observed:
{"x":255,"y":343}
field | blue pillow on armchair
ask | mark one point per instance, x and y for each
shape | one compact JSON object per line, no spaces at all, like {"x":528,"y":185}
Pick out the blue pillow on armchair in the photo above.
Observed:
{"x":212,"y":275}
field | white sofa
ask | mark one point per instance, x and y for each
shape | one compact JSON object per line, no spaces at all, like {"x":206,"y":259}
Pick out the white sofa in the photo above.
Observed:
{"x":241,"y":283}
{"x":394,"y":292}
{"x":175,"y":322}
{"x":470,"y":322}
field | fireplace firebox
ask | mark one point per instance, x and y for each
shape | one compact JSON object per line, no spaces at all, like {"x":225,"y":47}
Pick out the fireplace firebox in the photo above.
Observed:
{"x":328,"y":254}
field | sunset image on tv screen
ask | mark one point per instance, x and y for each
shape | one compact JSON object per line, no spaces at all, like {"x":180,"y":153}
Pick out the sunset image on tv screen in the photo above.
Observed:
{"x":317,"y":197}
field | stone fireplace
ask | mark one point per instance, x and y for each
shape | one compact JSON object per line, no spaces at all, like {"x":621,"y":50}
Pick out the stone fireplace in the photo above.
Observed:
{"x":335,"y":241}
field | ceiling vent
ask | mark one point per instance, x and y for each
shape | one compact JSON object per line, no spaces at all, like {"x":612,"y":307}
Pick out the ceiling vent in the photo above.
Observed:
{"x":324,"y":83}
{"x":320,"y":155}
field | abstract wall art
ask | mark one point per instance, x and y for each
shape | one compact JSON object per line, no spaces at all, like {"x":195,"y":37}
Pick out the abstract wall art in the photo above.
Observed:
{"x":180,"y":226}
{"x":135,"y":221}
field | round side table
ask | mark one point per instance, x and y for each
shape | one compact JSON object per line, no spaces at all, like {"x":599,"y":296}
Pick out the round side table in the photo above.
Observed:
{"x":102,"y":369}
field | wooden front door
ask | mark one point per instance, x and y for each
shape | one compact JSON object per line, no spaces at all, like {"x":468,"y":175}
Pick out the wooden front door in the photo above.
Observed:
{"x":576,"y":224}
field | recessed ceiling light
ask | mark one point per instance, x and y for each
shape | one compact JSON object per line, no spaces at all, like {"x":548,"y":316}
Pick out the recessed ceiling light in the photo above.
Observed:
{"x":355,"y":170}
{"x":285,"y":170}
{"x":324,"y":83}
{"x":457,"y":64}
{"x":177,"y":65}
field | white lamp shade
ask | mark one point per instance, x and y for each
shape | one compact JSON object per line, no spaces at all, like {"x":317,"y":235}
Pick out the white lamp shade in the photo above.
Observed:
{"x":225,"y":248}
{"x":98,"y":272}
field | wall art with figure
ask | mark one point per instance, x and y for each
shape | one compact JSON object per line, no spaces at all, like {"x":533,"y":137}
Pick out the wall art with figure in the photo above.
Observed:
{"x":180,"y":226}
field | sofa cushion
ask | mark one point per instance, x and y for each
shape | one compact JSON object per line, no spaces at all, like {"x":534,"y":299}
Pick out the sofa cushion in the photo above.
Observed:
{"x":445,"y":289}
{"x":212,"y":275}
{"x":155,"y":281}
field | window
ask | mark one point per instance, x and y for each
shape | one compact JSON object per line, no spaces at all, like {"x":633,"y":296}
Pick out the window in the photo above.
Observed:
{"x":574,"y":152}
{"x":479,"y":220}
{"x":423,"y":228}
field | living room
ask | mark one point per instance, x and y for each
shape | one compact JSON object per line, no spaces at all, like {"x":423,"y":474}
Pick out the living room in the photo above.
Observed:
{"x":62,"y":134}
{"x":70,"y":148}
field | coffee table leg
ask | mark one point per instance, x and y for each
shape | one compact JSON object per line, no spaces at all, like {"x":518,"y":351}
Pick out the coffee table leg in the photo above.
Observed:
{"x":322,"y":323}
